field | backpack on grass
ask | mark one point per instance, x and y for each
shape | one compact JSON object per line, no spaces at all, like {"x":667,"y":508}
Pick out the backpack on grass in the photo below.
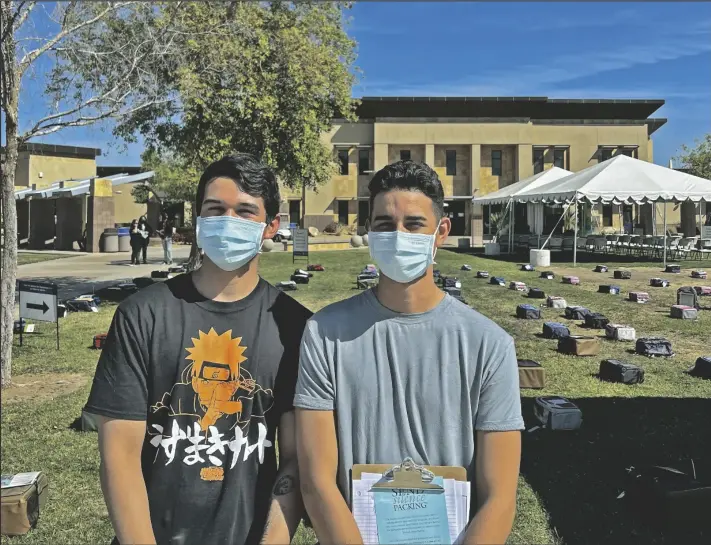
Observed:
{"x":536,"y":293}
{"x":518,"y":286}
{"x":555,"y":330}
{"x":579,"y":345}
{"x":528,"y":312}
{"x":548,"y":275}
{"x":574,"y":280}
{"x":288,"y":285}
{"x":99,"y":341}
{"x":619,"y":332}
{"x":601,"y":268}
{"x":608,"y":288}
{"x":557,"y":413}
{"x":531,"y":374}
{"x":659,"y":283}
{"x":482,"y":274}
{"x":527,"y":267}
{"x":698,"y":274}
{"x":316,"y":268}
{"x":702,"y":368}
{"x":622,"y":275}
{"x":595,"y":320}
{"x":576,"y":313}
{"x":687,"y":296}
{"x":653,"y":347}
{"x":454,"y":292}
{"x":620,"y":371}
{"x":672,"y":268}
{"x":556,"y":302}
{"x":683,"y":312}
{"x":497,"y":281}
{"x":639,"y":296}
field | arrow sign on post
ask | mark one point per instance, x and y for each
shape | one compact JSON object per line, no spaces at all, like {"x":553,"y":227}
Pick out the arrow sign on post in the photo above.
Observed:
{"x":43,"y":307}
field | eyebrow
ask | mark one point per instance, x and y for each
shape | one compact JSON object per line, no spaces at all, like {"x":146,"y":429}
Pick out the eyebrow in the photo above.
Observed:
{"x":212,"y":200}
{"x":251,"y":207}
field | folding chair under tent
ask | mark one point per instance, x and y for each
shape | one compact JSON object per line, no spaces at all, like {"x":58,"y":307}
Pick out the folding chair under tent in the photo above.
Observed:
{"x":507,"y":195}
{"x":621,"y":180}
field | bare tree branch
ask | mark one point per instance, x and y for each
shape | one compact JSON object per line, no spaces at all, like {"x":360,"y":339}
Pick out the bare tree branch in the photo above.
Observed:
{"x":17,"y":19}
{"x":30,"y":57}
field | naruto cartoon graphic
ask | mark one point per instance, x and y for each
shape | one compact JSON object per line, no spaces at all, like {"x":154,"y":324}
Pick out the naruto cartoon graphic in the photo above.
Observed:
{"x":214,"y":385}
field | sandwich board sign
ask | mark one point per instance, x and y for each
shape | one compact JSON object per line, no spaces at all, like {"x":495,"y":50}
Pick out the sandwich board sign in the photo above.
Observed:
{"x":38,"y":301}
{"x":301,"y":244}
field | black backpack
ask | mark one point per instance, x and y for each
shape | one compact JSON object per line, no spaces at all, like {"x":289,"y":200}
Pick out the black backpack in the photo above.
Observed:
{"x":607,"y":288}
{"x":299,"y":278}
{"x":536,"y":293}
{"x":595,"y":320}
{"x":450,"y":281}
{"x":672,"y":269}
{"x":576,"y":313}
{"x":497,"y":280}
{"x":620,"y":371}
{"x":454,"y":292}
{"x":548,"y":275}
{"x":601,"y":268}
{"x":702,"y":368}
{"x":622,"y":275}
{"x":528,"y":312}
{"x":653,"y":346}
{"x":159,"y":274}
{"x":482,"y":274}
{"x":527,"y":267}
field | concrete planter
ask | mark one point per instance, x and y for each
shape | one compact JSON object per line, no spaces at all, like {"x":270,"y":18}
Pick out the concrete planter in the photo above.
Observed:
{"x":540,"y":258}
{"x":492,"y":248}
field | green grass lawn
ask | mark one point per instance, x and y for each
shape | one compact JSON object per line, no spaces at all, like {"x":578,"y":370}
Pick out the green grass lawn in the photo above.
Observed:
{"x":24,"y":258}
{"x":570,"y":481}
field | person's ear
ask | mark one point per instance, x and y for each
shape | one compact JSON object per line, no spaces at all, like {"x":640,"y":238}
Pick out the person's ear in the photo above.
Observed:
{"x":445,"y":226}
{"x":272,"y":227}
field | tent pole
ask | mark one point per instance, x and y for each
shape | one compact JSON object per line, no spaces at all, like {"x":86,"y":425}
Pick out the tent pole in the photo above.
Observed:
{"x":665,"y":234}
{"x":575,"y":235}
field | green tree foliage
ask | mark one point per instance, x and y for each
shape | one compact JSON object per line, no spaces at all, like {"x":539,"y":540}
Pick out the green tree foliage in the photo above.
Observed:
{"x":698,"y":158}
{"x":174,"y":180}
{"x":261,"y":77}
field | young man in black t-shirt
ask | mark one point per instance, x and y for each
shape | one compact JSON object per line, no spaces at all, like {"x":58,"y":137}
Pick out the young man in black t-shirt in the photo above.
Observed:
{"x":197,"y":375}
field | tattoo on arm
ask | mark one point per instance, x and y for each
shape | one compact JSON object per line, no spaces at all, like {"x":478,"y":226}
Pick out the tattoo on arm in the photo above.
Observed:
{"x":285,"y":485}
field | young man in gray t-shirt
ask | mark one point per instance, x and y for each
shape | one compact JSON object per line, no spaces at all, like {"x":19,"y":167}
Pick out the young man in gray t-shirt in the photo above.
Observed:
{"x":406,"y":370}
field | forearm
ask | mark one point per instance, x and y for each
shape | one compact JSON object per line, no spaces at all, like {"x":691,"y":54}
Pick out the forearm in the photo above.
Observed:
{"x":330,"y":516}
{"x":491,"y":524}
{"x":287,"y":508}
{"x":127,"y":501}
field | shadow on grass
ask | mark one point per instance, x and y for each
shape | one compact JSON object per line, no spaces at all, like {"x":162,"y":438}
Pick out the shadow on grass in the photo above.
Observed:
{"x":579,"y":475}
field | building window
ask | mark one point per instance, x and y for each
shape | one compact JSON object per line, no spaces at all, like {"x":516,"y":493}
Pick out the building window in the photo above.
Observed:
{"x":559,"y":158}
{"x":451,"y":162}
{"x":605,"y":154}
{"x":629,"y":152}
{"x":343,"y":212}
{"x":405,"y":155}
{"x":363,"y":161}
{"x":496,"y":162}
{"x":538,"y":154}
{"x":343,"y":161}
{"x":607,"y":215}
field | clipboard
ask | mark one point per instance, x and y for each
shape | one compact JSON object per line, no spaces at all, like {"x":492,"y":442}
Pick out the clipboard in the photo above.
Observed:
{"x":408,"y":476}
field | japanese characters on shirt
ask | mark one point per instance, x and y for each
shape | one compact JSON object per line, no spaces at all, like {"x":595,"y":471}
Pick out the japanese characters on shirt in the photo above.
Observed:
{"x":219,"y":394}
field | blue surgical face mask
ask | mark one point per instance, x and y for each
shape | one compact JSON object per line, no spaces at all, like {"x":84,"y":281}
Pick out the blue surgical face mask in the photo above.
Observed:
{"x":229,"y":242}
{"x":402,"y":257}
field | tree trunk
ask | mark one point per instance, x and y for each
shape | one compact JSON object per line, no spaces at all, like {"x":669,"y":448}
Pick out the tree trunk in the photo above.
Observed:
{"x":8,"y":263}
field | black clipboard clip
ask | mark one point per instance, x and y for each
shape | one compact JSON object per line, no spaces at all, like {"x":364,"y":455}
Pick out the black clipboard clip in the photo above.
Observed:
{"x":407,"y":475}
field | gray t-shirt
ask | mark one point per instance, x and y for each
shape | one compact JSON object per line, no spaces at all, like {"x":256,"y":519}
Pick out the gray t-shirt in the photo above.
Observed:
{"x":415,"y":385}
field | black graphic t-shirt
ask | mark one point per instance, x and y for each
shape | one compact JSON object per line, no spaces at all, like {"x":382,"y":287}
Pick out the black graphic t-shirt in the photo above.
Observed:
{"x":211,"y":380}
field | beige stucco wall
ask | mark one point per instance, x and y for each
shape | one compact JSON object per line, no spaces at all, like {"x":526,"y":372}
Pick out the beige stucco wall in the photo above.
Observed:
{"x":55,"y":169}
{"x":22,"y":171}
{"x":125,"y":207}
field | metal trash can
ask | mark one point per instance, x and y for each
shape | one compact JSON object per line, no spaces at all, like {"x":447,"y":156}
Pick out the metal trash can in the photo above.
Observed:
{"x":109,"y":241}
{"x":124,"y":239}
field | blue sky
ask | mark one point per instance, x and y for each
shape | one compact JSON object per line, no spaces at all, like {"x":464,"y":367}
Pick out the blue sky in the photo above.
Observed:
{"x":560,"y":50}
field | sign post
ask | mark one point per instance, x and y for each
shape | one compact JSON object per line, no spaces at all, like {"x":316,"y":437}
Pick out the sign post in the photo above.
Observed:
{"x":38,"y":301}
{"x":301,"y":244}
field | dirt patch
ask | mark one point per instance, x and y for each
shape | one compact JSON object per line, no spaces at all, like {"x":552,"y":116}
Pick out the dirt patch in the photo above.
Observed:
{"x":42,"y":387}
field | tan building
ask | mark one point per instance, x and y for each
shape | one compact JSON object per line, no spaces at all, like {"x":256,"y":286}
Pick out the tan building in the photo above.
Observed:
{"x":56,"y":202}
{"x":477,"y":145}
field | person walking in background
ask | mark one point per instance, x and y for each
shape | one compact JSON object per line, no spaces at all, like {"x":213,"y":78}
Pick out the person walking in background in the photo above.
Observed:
{"x":145,"y":230}
{"x":166,"y":230}
{"x":136,"y":242}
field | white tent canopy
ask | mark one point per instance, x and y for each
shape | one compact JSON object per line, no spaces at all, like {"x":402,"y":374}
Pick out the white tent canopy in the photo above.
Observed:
{"x":622,"y":179}
{"x":505,"y":194}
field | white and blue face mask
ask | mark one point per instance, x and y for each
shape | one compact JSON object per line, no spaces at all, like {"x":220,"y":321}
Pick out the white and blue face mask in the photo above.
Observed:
{"x":229,"y":242}
{"x":402,"y":257}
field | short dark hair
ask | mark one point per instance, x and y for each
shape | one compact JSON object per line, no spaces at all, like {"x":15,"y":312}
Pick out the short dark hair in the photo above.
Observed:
{"x":251,"y":176}
{"x":409,"y":176}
